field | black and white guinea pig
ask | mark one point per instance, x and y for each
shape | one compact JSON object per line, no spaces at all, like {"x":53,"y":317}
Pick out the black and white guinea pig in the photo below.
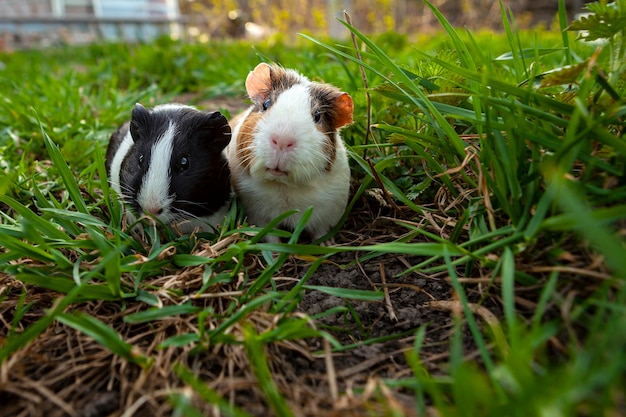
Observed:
{"x":286,"y":151}
{"x":167,"y":163}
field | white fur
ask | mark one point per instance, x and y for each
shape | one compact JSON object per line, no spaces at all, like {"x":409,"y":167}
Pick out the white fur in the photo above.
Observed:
{"x":307,"y":182}
{"x":290,"y":116}
{"x":116,"y":164}
{"x":265,"y":199}
{"x":154,"y":192}
{"x":171,"y":106}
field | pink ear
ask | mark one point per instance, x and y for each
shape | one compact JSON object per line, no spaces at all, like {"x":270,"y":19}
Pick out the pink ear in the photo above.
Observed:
{"x":259,"y":82}
{"x":343,"y":109}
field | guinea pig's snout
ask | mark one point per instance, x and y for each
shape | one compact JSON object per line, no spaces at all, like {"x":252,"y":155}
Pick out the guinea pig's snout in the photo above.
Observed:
{"x":283,"y":142}
{"x":153,"y":210}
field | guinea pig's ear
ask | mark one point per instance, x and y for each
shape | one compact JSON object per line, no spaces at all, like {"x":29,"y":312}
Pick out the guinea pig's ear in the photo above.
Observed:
{"x":259,"y":82}
{"x":343,"y":107}
{"x":214,"y":127}
{"x":139,"y":119}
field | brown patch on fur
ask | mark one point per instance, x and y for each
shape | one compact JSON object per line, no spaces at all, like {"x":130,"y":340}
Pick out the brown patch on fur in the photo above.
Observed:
{"x":245,"y":137}
{"x":330,"y":150}
{"x":335,"y":107}
{"x":334,"y":103}
{"x":344,"y":107}
{"x":283,"y":79}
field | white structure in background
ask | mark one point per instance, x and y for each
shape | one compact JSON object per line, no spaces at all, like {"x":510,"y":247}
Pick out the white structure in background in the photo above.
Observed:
{"x":89,"y":19}
{"x":135,"y":9}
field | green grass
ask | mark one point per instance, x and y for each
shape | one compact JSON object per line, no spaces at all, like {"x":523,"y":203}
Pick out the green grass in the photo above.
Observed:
{"x":522,"y":169}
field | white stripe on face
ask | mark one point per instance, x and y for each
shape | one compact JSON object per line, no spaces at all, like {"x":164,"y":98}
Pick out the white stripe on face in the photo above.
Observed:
{"x":116,"y":164}
{"x":154,"y":195}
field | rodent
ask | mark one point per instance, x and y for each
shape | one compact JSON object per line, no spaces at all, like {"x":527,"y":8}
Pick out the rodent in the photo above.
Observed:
{"x":287,"y":152}
{"x":168,"y":163}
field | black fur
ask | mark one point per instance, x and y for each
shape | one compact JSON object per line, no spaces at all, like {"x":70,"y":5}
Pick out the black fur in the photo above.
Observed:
{"x":204,"y":186}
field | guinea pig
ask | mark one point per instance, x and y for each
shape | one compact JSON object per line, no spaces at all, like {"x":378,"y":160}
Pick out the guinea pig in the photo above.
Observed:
{"x":168,"y":163}
{"x":287,"y":152}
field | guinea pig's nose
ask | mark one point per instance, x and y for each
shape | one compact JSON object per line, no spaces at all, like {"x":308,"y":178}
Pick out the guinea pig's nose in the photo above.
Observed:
{"x":283,"y":143}
{"x":155,"y":211}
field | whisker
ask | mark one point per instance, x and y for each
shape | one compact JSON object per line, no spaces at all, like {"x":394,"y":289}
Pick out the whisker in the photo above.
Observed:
{"x":180,"y":214}
{"x":126,"y":191}
{"x":245,"y":158}
{"x":191,"y":203}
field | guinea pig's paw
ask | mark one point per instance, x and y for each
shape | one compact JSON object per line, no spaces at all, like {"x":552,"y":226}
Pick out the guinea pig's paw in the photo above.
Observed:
{"x":271,"y":239}
{"x":329,"y":242}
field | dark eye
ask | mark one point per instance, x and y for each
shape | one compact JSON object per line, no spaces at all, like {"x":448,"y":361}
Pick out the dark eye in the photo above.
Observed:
{"x":184,"y":163}
{"x":140,"y":160}
{"x":317,"y":116}
{"x":266,"y":104}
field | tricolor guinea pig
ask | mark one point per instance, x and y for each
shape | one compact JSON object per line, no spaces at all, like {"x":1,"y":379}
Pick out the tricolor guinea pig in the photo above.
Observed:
{"x":286,"y":151}
{"x":168,"y":163}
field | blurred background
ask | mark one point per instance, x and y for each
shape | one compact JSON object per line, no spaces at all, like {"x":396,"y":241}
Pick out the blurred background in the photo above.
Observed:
{"x":41,"y":23}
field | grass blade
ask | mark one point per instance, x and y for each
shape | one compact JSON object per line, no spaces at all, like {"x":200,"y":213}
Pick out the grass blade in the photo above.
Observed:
{"x":65,"y":285}
{"x":66,"y":175}
{"x":564,"y":33}
{"x":508,"y":295}
{"x":349,"y":293}
{"x":104,"y":335}
{"x":258,"y":360}
{"x":44,"y":227}
{"x":162,"y":313}
{"x":206,"y":393}
{"x":469,"y":315}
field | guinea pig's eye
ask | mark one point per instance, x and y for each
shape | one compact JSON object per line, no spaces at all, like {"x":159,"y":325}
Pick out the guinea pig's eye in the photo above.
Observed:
{"x":183,"y":164}
{"x":266,"y":104}
{"x":140,"y":160}
{"x":317,"y":116}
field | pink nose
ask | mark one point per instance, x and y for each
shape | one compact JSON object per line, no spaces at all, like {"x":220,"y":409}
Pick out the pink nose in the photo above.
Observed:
{"x":282,"y":143}
{"x":155,"y":211}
